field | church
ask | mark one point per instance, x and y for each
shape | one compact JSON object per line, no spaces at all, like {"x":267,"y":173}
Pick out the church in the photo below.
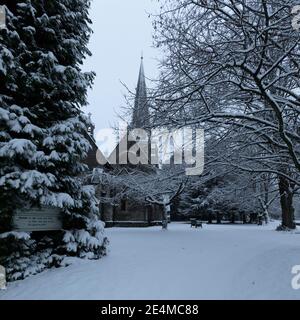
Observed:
{"x":127,"y":212}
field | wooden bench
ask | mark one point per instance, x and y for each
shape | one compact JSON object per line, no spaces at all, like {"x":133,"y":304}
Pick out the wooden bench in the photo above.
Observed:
{"x":196,"y":223}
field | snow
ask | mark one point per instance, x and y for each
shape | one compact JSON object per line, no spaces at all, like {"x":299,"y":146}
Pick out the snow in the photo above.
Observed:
{"x":216,"y":262}
{"x":15,"y":235}
{"x":59,"y":200}
{"x":4,"y":114}
{"x":5,"y":54}
{"x":17,"y":146}
{"x":60,"y":68}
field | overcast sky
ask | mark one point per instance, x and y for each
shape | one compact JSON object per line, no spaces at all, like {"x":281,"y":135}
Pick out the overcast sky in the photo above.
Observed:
{"x":122,"y":30}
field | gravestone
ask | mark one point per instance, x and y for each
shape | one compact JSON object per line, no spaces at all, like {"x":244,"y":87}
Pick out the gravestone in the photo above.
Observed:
{"x":37,"y":219}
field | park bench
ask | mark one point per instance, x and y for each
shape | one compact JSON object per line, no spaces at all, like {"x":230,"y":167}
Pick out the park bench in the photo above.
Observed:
{"x":196,"y":223}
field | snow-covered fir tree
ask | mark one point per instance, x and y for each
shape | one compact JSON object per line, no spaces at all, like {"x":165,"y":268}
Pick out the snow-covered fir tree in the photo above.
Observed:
{"x":43,"y":130}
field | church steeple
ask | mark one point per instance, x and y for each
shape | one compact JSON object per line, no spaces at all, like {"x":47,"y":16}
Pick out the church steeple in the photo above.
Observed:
{"x":140,"y":117}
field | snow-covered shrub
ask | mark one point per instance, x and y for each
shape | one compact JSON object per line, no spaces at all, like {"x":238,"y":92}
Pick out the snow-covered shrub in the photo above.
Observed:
{"x":43,"y":133}
{"x":24,"y":256}
{"x":86,"y":243}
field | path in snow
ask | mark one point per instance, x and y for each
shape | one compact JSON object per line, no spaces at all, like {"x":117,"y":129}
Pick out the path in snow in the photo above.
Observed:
{"x":218,"y":262}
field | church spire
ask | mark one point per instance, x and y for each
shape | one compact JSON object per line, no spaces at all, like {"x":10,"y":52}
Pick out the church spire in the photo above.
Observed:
{"x":140,"y":117}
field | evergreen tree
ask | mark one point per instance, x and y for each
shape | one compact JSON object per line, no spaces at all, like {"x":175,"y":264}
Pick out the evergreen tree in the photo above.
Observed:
{"x":43,"y":133}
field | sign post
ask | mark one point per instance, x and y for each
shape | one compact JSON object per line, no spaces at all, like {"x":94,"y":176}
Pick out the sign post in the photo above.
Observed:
{"x":37,"y":219}
{"x":2,"y":278}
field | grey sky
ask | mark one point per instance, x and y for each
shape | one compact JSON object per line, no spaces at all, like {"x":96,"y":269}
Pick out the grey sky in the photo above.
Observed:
{"x":122,"y":30}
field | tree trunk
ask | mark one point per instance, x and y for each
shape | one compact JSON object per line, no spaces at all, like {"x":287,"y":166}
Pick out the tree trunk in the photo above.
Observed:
{"x":266,"y":215}
{"x":165,"y":218}
{"x":244,"y":218}
{"x":209,"y":218}
{"x":233,"y":218}
{"x":265,"y":209}
{"x":286,"y":201}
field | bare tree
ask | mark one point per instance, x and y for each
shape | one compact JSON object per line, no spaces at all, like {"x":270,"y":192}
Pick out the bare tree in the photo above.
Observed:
{"x":235,"y":65}
{"x":160,"y":186}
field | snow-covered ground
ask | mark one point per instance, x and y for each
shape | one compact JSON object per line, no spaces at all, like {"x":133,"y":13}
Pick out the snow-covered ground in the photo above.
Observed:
{"x":218,"y":262}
